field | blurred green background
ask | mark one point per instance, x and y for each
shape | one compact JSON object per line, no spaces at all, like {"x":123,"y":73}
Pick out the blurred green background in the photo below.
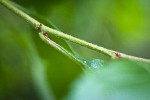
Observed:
{"x":32,"y":70}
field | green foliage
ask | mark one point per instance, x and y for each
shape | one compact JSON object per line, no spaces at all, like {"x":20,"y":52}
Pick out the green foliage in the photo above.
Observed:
{"x":118,"y":80}
{"x":31,"y":69}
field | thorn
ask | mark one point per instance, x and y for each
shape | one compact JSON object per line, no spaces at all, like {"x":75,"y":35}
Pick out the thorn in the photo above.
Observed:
{"x":38,"y":27}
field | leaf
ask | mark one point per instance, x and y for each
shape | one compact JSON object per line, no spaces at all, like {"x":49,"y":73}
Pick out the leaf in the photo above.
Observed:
{"x":118,"y":80}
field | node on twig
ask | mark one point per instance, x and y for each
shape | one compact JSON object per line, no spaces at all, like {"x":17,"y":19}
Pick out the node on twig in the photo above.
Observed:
{"x":117,"y":55}
{"x":44,"y":34}
{"x":38,"y":27}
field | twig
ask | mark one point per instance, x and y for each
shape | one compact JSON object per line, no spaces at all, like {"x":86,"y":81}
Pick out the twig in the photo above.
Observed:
{"x":35,"y":23}
{"x":45,"y":38}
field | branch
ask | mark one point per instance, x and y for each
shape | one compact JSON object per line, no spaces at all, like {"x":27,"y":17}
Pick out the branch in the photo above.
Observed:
{"x":43,"y":28}
{"x":46,"y":39}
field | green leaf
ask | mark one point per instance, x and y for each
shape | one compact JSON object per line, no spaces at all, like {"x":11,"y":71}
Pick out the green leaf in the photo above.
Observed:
{"x":118,"y":80}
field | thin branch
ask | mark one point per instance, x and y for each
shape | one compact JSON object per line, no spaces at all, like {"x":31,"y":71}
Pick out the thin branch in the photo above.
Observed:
{"x":46,"y":39}
{"x":35,"y":23}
